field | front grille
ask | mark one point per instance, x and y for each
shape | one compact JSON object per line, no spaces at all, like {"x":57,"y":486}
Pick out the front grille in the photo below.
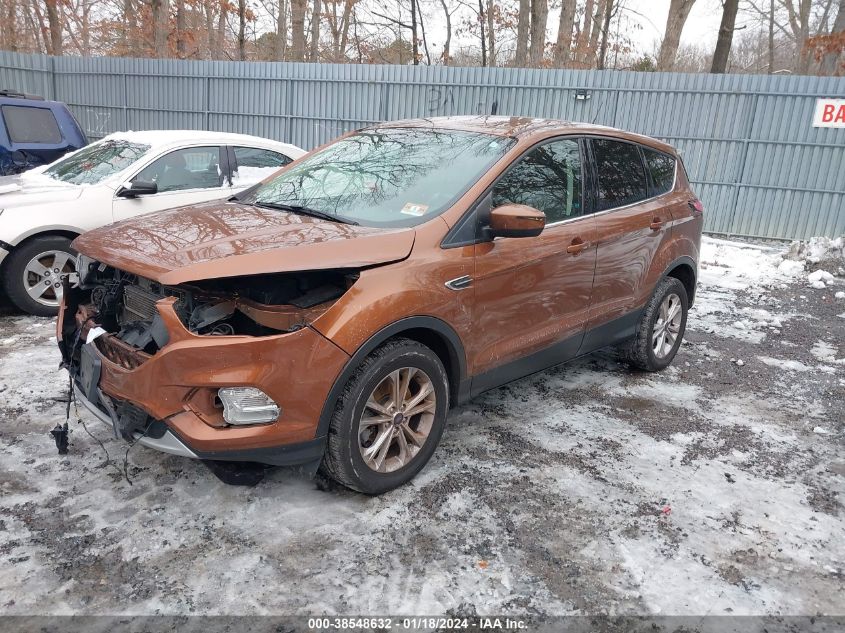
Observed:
{"x":120,"y":353}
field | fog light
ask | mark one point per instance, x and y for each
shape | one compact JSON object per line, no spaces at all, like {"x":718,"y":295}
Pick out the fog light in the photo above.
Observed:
{"x":247,"y":405}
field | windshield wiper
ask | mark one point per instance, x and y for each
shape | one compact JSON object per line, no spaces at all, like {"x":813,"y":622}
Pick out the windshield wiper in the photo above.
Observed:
{"x":301,"y":210}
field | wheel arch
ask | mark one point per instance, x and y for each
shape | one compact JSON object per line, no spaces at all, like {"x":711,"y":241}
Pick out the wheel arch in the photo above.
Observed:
{"x":26,"y":238}
{"x":684,"y":270}
{"x":432,"y":332}
{"x":71,"y":232}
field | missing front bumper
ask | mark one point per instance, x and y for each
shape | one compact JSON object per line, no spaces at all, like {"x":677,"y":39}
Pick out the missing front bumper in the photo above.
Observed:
{"x":167,"y":443}
{"x":307,"y":455}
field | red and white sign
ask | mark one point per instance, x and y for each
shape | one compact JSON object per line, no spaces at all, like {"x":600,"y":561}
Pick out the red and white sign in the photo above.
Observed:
{"x":829,"y":113}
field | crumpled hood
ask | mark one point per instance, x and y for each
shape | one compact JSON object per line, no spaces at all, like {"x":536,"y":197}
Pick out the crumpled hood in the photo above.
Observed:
{"x":229,"y":239}
{"x":27,"y":189}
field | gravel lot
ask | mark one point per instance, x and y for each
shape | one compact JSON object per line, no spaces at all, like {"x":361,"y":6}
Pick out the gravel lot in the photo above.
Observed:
{"x":715,"y":487}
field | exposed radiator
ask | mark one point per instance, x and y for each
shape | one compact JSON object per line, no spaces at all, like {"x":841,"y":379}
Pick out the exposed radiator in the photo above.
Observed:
{"x":139,"y":303}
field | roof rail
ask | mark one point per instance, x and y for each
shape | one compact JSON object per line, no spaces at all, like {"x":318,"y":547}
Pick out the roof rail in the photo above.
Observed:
{"x":14,"y":94}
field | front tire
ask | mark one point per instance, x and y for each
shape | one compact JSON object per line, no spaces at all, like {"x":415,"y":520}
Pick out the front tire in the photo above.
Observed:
{"x":389,"y":418}
{"x":661,"y":327}
{"x":32,"y":276}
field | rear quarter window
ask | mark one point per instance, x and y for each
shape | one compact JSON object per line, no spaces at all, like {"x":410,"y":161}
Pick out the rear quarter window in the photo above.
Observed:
{"x":620,"y":173}
{"x":27,"y":124}
{"x":661,"y":171}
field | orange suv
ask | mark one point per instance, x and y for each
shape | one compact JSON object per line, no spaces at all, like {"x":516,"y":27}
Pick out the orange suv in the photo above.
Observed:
{"x":332,"y":314}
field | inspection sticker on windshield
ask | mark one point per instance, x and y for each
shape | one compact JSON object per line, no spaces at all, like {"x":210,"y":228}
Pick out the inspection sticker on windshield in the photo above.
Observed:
{"x":414,"y":209}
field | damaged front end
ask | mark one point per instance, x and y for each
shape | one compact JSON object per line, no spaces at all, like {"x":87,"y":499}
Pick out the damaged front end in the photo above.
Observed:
{"x":124,"y":304}
{"x":207,"y":365}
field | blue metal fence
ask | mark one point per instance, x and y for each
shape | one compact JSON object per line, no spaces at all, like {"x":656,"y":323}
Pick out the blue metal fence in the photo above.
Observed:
{"x":760,"y":167}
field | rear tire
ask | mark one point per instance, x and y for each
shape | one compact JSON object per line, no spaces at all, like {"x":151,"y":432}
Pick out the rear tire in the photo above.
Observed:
{"x":661,"y":327}
{"x":372,"y":445}
{"x":32,"y":271}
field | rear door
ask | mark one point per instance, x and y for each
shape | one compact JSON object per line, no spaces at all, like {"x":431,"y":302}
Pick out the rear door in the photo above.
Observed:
{"x":631,"y":226}
{"x":532,"y":295}
{"x":184,"y":176}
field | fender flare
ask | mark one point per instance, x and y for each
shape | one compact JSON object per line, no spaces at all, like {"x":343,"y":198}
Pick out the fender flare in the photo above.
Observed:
{"x":455,"y":348}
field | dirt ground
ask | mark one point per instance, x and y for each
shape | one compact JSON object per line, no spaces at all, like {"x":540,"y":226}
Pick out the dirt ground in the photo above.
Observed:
{"x":715,"y":487}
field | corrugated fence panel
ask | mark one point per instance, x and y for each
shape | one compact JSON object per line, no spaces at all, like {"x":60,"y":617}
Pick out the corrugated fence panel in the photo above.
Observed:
{"x":747,"y":141}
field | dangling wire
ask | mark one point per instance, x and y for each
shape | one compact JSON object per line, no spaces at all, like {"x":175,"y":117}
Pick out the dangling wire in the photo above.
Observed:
{"x":108,"y":461}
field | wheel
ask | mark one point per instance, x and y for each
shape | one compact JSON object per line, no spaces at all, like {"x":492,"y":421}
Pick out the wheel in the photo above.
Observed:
{"x":32,"y":276}
{"x":389,"y":418}
{"x":661,"y":327}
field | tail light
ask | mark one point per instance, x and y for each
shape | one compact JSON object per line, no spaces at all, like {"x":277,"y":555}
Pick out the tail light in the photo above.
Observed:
{"x":696,"y":207}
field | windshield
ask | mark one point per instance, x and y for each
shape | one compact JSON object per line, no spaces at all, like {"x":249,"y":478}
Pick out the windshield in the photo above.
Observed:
{"x":385,"y":177}
{"x":96,"y":162}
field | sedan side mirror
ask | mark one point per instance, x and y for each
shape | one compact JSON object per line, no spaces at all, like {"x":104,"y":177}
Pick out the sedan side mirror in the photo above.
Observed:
{"x":137,"y":188}
{"x":516,"y":220}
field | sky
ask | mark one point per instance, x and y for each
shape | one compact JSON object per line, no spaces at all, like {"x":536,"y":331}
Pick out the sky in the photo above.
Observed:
{"x":702,"y":26}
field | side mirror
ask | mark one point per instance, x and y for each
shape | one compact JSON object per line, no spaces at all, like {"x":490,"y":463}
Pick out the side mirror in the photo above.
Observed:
{"x":516,"y":220}
{"x":137,"y":188}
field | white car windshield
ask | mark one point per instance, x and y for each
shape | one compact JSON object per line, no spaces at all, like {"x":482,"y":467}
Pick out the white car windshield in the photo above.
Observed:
{"x":95,"y":163}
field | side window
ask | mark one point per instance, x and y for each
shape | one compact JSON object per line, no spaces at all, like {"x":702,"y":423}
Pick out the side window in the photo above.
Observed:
{"x":661,"y":170}
{"x":621,"y":177}
{"x":189,"y":168}
{"x":31,"y":125}
{"x":252,"y":165}
{"x":548,"y":179}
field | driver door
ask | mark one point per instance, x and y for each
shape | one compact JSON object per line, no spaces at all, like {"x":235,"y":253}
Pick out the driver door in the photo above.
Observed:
{"x":532,"y":295}
{"x":184,"y":176}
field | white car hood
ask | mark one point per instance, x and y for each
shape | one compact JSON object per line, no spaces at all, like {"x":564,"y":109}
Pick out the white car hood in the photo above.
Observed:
{"x":27,"y":189}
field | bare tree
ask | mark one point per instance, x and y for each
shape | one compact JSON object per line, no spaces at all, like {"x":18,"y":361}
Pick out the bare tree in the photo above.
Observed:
{"x":315,"y":32}
{"x":242,"y":30}
{"x":830,"y":61}
{"x":297,"y":23}
{"x":563,"y":46}
{"x":678,"y":14}
{"x":447,"y":13}
{"x":492,"y":48}
{"x":415,"y":50}
{"x":610,"y":9}
{"x":726,"y":35}
{"x":539,"y":16}
{"x":54,"y":21}
{"x":583,"y":30}
{"x":281,"y":30}
{"x":772,"y":37}
{"x":523,"y":27}
{"x":482,"y":22}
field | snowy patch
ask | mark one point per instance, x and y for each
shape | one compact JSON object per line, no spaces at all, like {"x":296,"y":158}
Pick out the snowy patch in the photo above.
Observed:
{"x":788,"y":364}
{"x":818,"y":249}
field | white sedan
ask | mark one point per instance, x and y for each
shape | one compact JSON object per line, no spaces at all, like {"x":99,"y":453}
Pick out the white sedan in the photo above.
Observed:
{"x":118,"y":177}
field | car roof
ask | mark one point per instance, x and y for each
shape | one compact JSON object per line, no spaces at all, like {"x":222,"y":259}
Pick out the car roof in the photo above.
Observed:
{"x":524,"y":127}
{"x":166,"y":138}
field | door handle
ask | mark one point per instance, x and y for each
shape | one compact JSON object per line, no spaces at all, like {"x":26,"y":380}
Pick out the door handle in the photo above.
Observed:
{"x":656,"y":224}
{"x":576,"y":246}
{"x":460,"y":283}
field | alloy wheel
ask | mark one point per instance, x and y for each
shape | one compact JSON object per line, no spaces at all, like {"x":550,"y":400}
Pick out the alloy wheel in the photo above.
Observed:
{"x":397,"y":419}
{"x":668,"y":326}
{"x":42,"y":277}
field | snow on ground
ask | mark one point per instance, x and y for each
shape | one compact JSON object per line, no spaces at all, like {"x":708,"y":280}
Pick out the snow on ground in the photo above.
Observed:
{"x":714,"y":487}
